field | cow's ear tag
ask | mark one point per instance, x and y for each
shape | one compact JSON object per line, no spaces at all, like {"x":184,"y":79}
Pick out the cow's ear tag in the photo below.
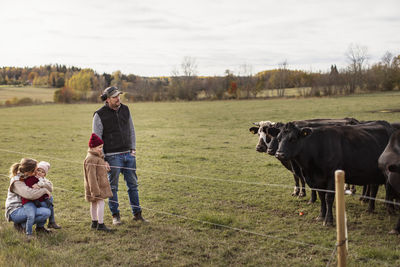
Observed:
{"x":306,"y":132}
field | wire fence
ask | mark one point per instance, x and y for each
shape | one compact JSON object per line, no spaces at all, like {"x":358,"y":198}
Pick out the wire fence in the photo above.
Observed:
{"x":222,"y":226}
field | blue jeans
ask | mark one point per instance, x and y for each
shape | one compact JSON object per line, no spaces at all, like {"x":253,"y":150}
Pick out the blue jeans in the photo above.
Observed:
{"x":51,"y":208}
{"x":125,"y":160}
{"x":28,"y":215}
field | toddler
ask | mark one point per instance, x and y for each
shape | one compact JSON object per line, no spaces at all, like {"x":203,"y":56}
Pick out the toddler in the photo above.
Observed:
{"x":43,"y":168}
{"x":39,"y":181}
{"x":97,"y":187}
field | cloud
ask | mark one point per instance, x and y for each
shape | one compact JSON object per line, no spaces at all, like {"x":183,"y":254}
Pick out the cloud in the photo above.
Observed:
{"x":151,"y":37}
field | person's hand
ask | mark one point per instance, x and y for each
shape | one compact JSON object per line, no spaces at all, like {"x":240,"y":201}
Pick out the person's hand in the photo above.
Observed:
{"x":133,"y":153}
{"x":35,"y":186}
{"x":108,"y":167}
{"x":48,"y":193}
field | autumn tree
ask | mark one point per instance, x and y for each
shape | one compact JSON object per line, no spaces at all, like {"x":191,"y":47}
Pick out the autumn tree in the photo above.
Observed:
{"x":245,"y":78}
{"x":116,"y":79}
{"x":231,"y":85}
{"x":56,"y":79}
{"x":357,"y":57}
{"x":82,"y":83}
{"x":389,"y":72}
{"x":184,"y":83}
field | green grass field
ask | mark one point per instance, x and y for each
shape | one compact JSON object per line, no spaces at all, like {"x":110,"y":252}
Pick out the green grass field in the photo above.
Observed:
{"x":35,"y":93}
{"x":211,"y":198}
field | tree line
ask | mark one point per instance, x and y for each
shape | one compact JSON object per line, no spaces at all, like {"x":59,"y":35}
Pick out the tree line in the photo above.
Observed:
{"x":76,"y":84}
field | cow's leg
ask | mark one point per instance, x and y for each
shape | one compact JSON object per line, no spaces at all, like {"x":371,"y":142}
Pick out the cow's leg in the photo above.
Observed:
{"x":389,"y":197}
{"x":353,"y":189}
{"x":330,"y":197}
{"x":396,"y":230}
{"x":313,"y":197}
{"x":373,"y":192}
{"x":365,"y":193}
{"x":322,"y":213}
{"x":297,"y":172}
{"x":296,"y":190}
{"x":303,"y":187}
{"x":347,"y":189}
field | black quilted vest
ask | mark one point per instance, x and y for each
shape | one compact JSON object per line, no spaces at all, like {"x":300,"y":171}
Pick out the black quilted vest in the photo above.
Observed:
{"x":116,"y":132}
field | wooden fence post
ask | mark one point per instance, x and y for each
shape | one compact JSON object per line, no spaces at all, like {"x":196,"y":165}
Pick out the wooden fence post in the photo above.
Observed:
{"x":340,"y":219}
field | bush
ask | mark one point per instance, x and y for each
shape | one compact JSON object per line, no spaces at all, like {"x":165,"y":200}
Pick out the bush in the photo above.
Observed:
{"x":25,"y":101}
{"x":64,"y":95}
{"x":21,"y":102}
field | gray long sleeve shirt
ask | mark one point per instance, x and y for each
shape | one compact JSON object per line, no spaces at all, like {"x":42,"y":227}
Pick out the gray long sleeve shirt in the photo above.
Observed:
{"x":97,"y":128}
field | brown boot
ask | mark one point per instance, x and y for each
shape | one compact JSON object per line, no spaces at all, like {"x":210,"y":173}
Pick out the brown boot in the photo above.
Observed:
{"x":138,"y":217}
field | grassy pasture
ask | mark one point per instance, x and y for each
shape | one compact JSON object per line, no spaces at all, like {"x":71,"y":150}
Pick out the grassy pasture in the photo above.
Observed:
{"x":211,"y":198}
{"x":35,"y":93}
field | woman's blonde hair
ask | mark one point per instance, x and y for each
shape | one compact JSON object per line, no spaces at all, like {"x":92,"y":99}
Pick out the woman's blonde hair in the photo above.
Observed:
{"x":25,"y":165}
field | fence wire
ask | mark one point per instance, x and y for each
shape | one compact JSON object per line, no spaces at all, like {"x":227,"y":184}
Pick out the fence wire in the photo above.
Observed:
{"x":331,"y":258}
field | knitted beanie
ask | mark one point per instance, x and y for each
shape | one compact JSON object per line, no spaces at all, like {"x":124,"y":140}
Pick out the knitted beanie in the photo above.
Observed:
{"x":95,"y":141}
{"x":44,"y":165}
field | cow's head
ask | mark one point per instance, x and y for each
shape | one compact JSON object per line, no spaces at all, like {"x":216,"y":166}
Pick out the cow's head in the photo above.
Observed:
{"x":389,"y":161}
{"x":273,"y":132}
{"x":264,"y":138}
{"x":394,"y":168}
{"x":290,"y":141}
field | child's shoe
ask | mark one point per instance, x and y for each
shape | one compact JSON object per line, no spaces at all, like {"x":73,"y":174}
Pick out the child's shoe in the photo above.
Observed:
{"x":94,"y":224}
{"x":103,"y":227}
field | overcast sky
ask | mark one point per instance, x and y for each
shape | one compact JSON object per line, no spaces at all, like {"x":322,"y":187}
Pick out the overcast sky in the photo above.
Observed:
{"x":152,"y":37}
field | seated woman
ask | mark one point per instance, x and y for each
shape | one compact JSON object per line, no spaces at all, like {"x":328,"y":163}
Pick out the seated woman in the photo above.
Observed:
{"x":23,"y":218}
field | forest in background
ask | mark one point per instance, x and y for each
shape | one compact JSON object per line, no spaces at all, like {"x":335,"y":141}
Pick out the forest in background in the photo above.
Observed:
{"x":85,"y":85}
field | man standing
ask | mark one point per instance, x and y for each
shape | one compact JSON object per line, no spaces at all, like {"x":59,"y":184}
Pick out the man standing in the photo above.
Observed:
{"x":113,"y":123}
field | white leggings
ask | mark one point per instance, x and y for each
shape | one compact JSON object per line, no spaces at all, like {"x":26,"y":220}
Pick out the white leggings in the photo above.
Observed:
{"x":97,"y":210}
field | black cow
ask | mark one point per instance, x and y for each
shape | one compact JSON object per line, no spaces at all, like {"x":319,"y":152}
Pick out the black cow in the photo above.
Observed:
{"x":322,"y":150}
{"x":389,"y":163}
{"x":273,"y":132}
{"x":263,"y":146}
{"x":396,"y":125}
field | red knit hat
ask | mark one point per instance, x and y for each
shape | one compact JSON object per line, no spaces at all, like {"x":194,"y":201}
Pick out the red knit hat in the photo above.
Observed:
{"x":95,"y":141}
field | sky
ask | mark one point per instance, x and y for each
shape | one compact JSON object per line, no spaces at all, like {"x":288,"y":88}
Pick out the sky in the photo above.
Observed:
{"x":153,"y":37}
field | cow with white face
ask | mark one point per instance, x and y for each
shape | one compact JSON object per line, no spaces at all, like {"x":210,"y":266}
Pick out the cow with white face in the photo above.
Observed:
{"x":263,"y":146}
{"x":264,"y":138}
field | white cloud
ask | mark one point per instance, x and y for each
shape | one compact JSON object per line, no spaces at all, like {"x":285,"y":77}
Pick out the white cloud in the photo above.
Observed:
{"x":151,"y":37}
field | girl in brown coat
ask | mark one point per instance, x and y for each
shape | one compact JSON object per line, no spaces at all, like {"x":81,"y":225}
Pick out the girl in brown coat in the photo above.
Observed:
{"x":97,"y":187}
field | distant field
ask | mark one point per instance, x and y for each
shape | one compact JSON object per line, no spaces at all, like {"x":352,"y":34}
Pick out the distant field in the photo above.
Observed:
{"x":35,"y":93}
{"x":211,"y":198}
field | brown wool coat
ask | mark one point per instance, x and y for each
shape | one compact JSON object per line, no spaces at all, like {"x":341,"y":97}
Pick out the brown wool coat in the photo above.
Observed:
{"x":96,"y":182}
